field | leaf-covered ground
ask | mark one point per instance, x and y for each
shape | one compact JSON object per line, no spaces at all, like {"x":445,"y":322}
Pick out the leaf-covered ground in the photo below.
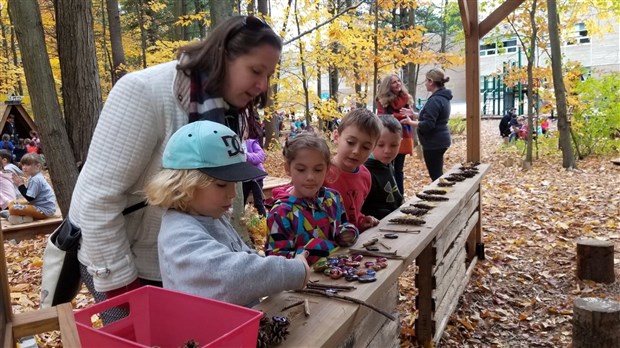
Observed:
{"x":522,"y":294}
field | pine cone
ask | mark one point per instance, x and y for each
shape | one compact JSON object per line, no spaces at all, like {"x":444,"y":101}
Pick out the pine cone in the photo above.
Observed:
{"x":279,"y":329}
{"x":407,"y":220}
{"x":432,"y":198}
{"x":435,"y":192}
{"x":413,"y":211}
{"x":423,"y":205}
{"x":445,"y":183}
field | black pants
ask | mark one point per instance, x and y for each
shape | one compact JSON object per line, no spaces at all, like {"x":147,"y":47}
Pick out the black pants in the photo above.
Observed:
{"x":256,"y":186}
{"x":399,"y":176}
{"x":434,"y":162}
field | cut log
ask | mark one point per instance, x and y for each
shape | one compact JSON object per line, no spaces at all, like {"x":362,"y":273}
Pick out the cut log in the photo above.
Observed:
{"x":616,"y":161}
{"x":596,"y":323}
{"x":595,"y":260}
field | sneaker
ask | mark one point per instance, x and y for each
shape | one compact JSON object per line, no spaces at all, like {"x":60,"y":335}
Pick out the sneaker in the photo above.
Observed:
{"x":4,"y":214}
{"x":17,"y":219}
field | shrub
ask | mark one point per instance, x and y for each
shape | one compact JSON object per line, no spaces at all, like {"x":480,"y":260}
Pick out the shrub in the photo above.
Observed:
{"x":457,"y":125}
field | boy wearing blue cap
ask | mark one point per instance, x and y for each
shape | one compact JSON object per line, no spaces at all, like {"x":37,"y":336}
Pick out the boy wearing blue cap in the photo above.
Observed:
{"x":199,"y":251}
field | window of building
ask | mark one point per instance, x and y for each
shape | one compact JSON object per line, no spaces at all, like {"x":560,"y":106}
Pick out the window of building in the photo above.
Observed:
{"x":500,"y":47}
{"x":488,"y":49}
{"x":579,"y":36}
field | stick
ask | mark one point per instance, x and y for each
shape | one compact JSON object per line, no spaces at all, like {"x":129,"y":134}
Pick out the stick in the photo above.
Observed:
{"x":350,"y":299}
{"x":386,"y":254}
{"x":306,"y":308}
{"x":298,"y":303}
{"x":329,"y":286}
{"x":385,"y":246}
{"x":385,"y":229}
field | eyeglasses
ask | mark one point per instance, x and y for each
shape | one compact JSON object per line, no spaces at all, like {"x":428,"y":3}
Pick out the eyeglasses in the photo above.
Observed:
{"x":250,"y":22}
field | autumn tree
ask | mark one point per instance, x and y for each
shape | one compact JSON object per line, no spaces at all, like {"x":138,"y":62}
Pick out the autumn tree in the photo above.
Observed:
{"x":568,"y":158}
{"x":26,"y":18}
{"x":81,"y":90}
{"x":118,"y":67}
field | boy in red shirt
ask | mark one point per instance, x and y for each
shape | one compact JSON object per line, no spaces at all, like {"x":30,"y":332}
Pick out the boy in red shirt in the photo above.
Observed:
{"x":355,"y":137}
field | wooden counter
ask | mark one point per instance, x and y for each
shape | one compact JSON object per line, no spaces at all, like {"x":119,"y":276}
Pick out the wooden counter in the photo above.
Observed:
{"x":445,"y":252}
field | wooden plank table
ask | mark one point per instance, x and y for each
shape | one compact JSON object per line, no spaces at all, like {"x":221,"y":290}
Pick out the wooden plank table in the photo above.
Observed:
{"x":30,"y":229}
{"x":271,"y":182}
{"x":334,"y":323}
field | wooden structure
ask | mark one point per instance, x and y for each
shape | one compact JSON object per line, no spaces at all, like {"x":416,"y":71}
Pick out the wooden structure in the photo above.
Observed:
{"x":595,"y":260}
{"x":15,"y":326}
{"x":445,"y":252}
{"x":29,"y":230}
{"x":23,"y":123}
{"x":596,"y":323}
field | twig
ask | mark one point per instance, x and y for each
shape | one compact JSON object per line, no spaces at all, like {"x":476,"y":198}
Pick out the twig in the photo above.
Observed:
{"x":329,"y":286}
{"x":385,"y":229}
{"x":348,"y":298}
{"x":306,"y":308}
{"x":298,"y":303}
{"x":386,"y":254}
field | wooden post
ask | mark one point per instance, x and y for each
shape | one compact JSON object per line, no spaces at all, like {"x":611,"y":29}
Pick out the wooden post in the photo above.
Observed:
{"x":424,"y":281}
{"x":595,"y":260}
{"x":596,"y":323}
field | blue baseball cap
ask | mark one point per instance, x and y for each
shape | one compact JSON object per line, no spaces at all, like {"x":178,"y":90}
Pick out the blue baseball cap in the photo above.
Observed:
{"x":212,"y":148}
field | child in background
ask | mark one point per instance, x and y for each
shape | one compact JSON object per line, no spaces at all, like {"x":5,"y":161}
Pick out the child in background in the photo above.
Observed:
{"x":7,"y":162}
{"x":384,"y":196}
{"x":306,"y":215}
{"x":31,"y":147}
{"x":256,"y":157}
{"x":20,"y":150}
{"x":199,"y":251}
{"x":355,"y":138}
{"x":7,"y":191}
{"x":39,"y":194}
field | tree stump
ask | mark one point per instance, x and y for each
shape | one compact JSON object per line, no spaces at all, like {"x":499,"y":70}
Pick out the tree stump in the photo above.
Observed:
{"x":596,"y":323}
{"x":595,"y":260}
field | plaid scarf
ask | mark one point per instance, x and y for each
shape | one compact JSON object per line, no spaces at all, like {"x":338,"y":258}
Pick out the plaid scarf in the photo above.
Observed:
{"x":203,"y":106}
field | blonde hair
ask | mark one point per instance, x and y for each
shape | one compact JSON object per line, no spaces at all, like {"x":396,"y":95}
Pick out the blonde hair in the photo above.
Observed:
{"x":174,"y":189}
{"x":385,"y":96}
{"x":438,"y":77}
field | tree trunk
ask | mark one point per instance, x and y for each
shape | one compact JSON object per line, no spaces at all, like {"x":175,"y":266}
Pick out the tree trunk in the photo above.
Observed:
{"x":26,"y":18}
{"x":595,"y":260}
{"x":20,"y":88}
{"x":375,"y":74}
{"x":530,"y":89}
{"x":271,"y":126}
{"x":81,"y":90}
{"x":198,"y":6}
{"x":263,"y":7}
{"x":116,"y":41}
{"x":333,"y":70}
{"x":180,"y":10}
{"x":596,"y":323}
{"x":304,"y":77}
{"x":220,"y":11}
{"x":140,"y":13}
{"x":568,"y":157}
{"x":411,"y":76}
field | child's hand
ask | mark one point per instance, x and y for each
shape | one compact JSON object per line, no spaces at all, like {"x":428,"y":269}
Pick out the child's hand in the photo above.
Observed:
{"x":17,"y":180}
{"x":368,"y":222}
{"x":302,"y":256}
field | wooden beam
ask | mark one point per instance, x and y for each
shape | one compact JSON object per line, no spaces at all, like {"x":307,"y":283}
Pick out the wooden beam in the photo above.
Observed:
{"x":497,"y":16}
{"x":472,"y":85}
{"x":465,"y":17}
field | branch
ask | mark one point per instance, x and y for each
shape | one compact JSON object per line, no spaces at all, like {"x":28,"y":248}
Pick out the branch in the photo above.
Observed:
{"x":347,"y":298}
{"x":324,"y":23}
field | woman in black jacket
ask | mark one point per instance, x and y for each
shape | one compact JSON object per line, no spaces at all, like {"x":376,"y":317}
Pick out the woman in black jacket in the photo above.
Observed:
{"x":433,"y":122}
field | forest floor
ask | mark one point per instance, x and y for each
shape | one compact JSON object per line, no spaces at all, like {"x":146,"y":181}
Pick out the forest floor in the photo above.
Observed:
{"x":522,"y":295}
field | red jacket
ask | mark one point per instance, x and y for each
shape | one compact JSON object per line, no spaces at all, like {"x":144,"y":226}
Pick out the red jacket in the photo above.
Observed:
{"x":402,"y":101}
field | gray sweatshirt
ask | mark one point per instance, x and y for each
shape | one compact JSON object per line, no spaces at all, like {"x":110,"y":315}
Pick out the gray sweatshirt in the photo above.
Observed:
{"x":204,"y":256}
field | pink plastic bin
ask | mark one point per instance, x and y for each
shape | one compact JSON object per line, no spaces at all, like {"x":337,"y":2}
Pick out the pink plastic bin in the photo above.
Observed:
{"x":164,"y":318}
